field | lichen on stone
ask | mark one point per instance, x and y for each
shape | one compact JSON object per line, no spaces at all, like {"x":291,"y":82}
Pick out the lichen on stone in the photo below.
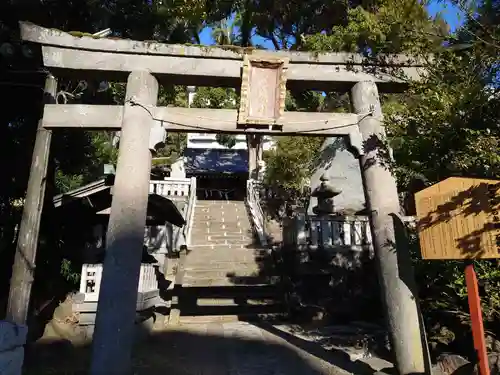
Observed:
{"x":80,"y":34}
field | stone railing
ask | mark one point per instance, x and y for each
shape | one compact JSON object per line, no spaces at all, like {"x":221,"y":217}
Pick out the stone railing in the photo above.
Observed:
{"x":171,"y":187}
{"x":255,"y":210}
{"x":338,"y":233}
{"x":183,"y":237}
{"x":87,"y":299}
{"x":90,"y":281}
{"x":169,"y":238}
{"x":12,"y":340}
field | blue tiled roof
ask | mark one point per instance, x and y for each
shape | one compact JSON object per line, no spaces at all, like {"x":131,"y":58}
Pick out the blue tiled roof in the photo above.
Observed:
{"x":213,"y":160}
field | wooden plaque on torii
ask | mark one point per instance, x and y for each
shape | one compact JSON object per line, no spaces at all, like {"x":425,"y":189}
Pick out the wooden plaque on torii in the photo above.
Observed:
{"x":263,"y":90}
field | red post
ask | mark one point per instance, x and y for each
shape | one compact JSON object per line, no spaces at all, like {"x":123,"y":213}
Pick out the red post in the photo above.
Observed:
{"x":476,"y":318}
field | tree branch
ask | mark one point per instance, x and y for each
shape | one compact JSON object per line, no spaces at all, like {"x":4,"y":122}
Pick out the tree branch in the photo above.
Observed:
{"x":275,"y":42}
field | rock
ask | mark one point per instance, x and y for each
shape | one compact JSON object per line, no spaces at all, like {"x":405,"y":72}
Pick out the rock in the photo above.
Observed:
{"x":494,"y":364}
{"x":492,"y":344}
{"x":64,"y":325}
{"x":436,"y":370}
{"x":448,"y":364}
{"x":454,"y":364}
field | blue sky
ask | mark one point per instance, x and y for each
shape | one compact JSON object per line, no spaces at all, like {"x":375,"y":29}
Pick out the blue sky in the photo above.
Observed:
{"x":449,"y":12}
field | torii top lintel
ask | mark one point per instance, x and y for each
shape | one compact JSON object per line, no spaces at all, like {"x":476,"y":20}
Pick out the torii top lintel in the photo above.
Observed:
{"x":112,"y":59}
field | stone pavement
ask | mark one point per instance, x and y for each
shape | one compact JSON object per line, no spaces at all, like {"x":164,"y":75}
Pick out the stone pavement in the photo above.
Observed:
{"x":235,"y":348}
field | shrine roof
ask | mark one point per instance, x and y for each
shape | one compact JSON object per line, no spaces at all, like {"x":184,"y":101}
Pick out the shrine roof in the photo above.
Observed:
{"x":216,"y":161}
{"x":97,"y":195}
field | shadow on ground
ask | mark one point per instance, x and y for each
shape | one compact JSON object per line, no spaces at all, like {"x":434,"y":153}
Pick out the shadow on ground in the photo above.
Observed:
{"x":234,"y":348}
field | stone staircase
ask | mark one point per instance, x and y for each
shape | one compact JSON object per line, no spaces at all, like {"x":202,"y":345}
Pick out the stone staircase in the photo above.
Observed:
{"x":224,"y":276}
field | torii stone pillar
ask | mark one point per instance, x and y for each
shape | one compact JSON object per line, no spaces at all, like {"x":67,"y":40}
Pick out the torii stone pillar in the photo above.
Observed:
{"x":114,"y":329}
{"x":395,"y":271}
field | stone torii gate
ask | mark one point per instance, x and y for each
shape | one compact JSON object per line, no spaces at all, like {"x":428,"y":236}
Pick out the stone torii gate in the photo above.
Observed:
{"x":263,"y":77}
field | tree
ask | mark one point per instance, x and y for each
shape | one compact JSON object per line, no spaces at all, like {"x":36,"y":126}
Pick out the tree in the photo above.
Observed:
{"x":448,"y":124}
{"x":217,"y":97}
{"x":76,"y":155}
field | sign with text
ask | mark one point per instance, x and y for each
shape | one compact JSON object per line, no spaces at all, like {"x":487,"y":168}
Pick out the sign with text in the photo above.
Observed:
{"x":263,"y":90}
{"x":459,"y":218}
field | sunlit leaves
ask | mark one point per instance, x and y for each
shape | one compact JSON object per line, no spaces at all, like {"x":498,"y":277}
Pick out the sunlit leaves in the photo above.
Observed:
{"x":292,"y":161}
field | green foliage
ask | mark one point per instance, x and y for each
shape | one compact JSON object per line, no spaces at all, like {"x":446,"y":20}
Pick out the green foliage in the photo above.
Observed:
{"x":449,"y":123}
{"x":77,"y":155}
{"x":292,"y":161}
{"x":443,"y":298}
{"x":390,"y":26}
{"x":217,"y":98}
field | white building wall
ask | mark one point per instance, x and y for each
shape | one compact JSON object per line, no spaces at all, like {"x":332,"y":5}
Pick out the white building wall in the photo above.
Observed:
{"x":208,"y":140}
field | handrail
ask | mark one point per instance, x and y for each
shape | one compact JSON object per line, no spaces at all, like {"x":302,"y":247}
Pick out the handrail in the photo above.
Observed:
{"x":190,"y":211}
{"x":256,"y":213}
{"x":183,"y":236}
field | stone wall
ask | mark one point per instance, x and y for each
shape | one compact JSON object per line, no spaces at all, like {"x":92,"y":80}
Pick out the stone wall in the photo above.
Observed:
{"x":12,"y":340}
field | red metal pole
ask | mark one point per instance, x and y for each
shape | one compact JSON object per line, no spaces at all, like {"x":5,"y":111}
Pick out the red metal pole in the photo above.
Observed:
{"x":476,"y":318}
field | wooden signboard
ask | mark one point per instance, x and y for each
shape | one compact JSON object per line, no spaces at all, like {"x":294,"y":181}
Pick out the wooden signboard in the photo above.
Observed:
{"x":459,"y":218}
{"x":263,"y":90}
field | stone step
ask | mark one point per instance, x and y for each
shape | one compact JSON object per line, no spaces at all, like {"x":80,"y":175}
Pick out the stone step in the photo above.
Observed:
{"x":203,"y":203}
{"x":207,"y":247}
{"x":224,"y":227}
{"x":227,"y":258}
{"x":222,"y":233}
{"x":225,"y":282}
{"x":207,"y":319}
{"x":220,"y":253}
{"x":221,"y":213}
{"x":226,"y":313}
{"x":220,"y":220}
{"x":205,"y":266}
{"x":233,"y":238}
{"x":226,"y":210}
{"x":234,"y":232}
{"x":205,"y":263}
{"x":227,"y":216}
{"x":202,"y":320}
{"x":196,"y":266}
{"x":227,"y":241}
{"x":231,"y":291}
{"x":228,"y":236}
{"x":220,"y":273}
{"x":228,"y":225}
{"x":233,"y":302}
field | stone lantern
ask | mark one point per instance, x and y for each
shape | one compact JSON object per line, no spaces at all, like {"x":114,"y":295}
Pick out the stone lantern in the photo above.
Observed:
{"x":325,"y":209}
{"x":325,"y":193}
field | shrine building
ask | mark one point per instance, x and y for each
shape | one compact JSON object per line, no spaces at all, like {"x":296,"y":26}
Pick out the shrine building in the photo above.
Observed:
{"x":221,"y":172}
